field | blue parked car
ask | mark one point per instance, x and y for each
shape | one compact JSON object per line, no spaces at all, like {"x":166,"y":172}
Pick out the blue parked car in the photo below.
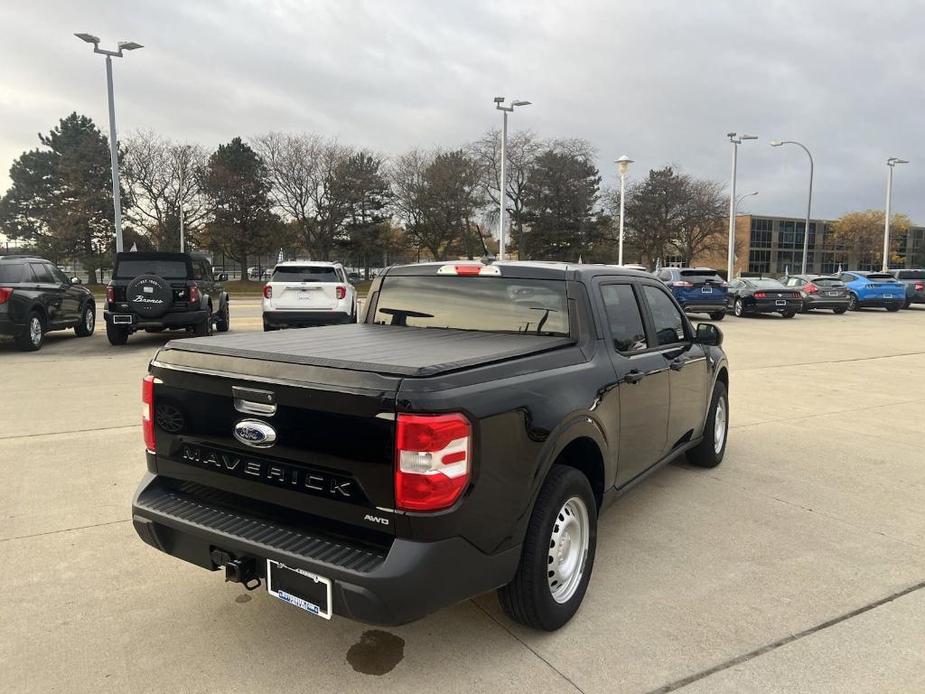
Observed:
{"x":879,"y":289}
{"x":697,"y":289}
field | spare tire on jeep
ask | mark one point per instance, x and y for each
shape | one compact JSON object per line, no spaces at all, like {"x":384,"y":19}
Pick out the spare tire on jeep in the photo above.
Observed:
{"x":149,"y":296}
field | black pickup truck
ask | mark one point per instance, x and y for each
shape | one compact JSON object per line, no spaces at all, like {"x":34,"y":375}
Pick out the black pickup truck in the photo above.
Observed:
{"x":463,"y":437}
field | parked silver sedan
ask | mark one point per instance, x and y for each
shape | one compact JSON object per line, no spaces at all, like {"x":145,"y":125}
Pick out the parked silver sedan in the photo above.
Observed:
{"x":820,"y":291}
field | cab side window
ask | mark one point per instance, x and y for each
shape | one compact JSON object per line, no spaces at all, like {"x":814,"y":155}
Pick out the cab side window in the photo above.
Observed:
{"x":624,"y":317}
{"x":42,"y":275}
{"x":197,"y":270}
{"x":669,"y":323}
{"x":56,"y":274}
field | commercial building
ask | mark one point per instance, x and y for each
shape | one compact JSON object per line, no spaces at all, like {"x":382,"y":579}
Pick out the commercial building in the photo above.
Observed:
{"x":774,"y":246}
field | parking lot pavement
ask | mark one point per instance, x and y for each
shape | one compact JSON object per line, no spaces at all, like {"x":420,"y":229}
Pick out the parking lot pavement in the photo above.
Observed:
{"x":796,"y":565}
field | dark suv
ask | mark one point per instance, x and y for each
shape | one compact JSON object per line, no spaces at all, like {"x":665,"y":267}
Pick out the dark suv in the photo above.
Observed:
{"x":164,"y":291}
{"x":697,"y":289}
{"x":35,"y":297}
{"x":914,"y":279}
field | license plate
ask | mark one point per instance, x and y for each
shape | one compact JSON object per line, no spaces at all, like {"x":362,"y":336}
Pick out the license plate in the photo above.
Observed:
{"x":707,"y":290}
{"x":305,"y":590}
{"x":832,"y":293}
{"x":888,"y":296}
{"x":780,"y":302}
{"x":122,"y":319}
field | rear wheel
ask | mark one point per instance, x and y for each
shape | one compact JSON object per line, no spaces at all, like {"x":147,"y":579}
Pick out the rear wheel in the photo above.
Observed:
{"x":893,"y":307}
{"x":718,"y":315}
{"x":204,"y":327}
{"x":223,"y":319}
{"x":908,"y":303}
{"x":853,"y":304}
{"x":558,"y":553}
{"x":34,"y":336}
{"x":788,"y":314}
{"x":87,"y":323}
{"x":840,"y":310}
{"x":710,"y":451}
{"x":738,"y":308}
{"x":117,"y":334}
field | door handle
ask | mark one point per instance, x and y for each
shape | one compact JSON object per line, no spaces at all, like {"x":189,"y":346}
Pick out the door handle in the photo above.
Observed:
{"x":634,"y":376}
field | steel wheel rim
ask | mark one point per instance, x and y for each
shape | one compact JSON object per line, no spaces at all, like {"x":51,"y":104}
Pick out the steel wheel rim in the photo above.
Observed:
{"x":568,"y":549}
{"x":738,"y":308}
{"x":90,"y":320}
{"x":35,"y":331}
{"x":719,"y":425}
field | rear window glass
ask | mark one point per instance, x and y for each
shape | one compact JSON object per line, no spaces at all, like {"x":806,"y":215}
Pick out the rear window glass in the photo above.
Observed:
{"x":486,"y":304}
{"x":766,"y":283}
{"x":912,"y":274}
{"x":879,"y":276}
{"x":11,"y":273}
{"x":701,"y":276}
{"x":305,"y":273}
{"x":174,"y":269}
{"x":828,"y":282}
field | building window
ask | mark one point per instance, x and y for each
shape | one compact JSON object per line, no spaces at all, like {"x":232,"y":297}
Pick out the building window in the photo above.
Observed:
{"x":759,"y":261}
{"x":674,"y":261}
{"x":761,"y":233}
{"x":831,"y":262}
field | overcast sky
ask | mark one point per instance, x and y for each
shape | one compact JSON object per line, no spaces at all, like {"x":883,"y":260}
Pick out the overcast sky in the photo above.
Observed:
{"x":659,"y":81}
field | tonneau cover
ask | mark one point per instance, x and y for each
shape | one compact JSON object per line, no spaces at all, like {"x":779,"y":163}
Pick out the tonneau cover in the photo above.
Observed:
{"x":383,"y":349}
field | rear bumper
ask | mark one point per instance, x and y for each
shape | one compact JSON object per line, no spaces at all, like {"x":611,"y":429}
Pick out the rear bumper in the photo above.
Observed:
{"x":825,"y":302}
{"x":878,"y":302}
{"x":168,"y":320}
{"x":390,"y":586}
{"x":704,"y":306}
{"x":771,"y":306}
{"x":298,"y":318}
{"x":8,"y":328}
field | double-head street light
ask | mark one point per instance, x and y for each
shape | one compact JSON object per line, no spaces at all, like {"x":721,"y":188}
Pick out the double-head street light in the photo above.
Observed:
{"x":113,"y":144}
{"x":499,"y":104}
{"x":623,"y":164}
{"x":809,"y":201}
{"x":736,"y":140}
{"x":891,"y":162}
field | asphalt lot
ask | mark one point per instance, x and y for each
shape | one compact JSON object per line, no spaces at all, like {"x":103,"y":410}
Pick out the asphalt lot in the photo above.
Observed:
{"x":797,"y":565}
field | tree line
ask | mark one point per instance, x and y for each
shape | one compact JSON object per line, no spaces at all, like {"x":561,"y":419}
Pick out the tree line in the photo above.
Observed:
{"x":308,"y":195}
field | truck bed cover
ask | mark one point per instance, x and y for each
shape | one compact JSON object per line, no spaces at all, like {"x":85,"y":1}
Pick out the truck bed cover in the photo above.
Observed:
{"x":382,"y":349}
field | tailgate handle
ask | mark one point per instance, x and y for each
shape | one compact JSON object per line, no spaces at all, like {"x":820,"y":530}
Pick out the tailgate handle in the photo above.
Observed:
{"x":253,"y":401}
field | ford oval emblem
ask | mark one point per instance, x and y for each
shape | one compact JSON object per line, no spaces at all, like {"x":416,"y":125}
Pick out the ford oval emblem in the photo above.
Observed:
{"x":253,"y":432}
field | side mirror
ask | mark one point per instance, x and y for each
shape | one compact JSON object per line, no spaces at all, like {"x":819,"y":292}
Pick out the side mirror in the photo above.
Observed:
{"x":709,"y":335}
{"x":76,"y":280}
{"x":222,"y":277}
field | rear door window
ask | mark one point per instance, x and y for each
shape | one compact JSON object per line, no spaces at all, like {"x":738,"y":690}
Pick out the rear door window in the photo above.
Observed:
{"x":305,"y":273}
{"x":668,"y":321}
{"x":624,"y":317}
{"x":42,"y":274}
{"x":12,"y":274}
{"x":56,"y":274}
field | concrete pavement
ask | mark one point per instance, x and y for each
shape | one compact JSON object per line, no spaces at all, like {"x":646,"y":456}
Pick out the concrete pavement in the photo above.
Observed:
{"x":797,"y":565}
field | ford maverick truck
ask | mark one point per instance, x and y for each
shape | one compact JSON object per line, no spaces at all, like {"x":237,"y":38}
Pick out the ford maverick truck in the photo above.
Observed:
{"x":462,"y":437}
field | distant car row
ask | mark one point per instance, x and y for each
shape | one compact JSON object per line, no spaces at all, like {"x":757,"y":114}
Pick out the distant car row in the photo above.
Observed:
{"x":702,"y":290}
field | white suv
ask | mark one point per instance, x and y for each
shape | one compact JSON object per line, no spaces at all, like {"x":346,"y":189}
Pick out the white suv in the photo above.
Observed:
{"x":302,"y":293}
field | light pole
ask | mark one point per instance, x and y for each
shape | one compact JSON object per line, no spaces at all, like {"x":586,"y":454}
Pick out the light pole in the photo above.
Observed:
{"x":809,"y":201}
{"x":184,"y":155}
{"x":623,"y":164}
{"x":891,"y":162}
{"x":499,"y":104}
{"x":113,"y":144}
{"x":736,"y":140}
{"x":743,"y":196}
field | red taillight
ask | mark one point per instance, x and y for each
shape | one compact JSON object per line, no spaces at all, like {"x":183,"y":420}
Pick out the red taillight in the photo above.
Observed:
{"x":5,"y":294}
{"x":431,"y":460}
{"x":147,"y":412}
{"x":194,"y":293}
{"x":469,"y":270}
{"x":682,"y":283}
{"x":267,"y":291}
{"x":919,"y":286}
{"x":810,"y":288}
{"x":761,"y":295}
{"x":110,"y":293}
{"x":341,"y":291}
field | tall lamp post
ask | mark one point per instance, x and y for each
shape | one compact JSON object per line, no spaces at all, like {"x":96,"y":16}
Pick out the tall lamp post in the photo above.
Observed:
{"x":499,"y":104}
{"x":809,"y":200}
{"x":891,"y":162}
{"x":623,"y":164}
{"x":113,"y":144}
{"x":743,"y":196}
{"x":736,"y":140}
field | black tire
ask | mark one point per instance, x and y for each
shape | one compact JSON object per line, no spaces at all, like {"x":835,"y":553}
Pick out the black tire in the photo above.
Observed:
{"x":117,"y":334}
{"x":718,"y":315}
{"x":705,"y":453}
{"x":33,"y":337}
{"x":223,"y":319}
{"x":893,"y":308}
{"x":204,"y":327}
{"x":840,"y":310}
{"x":908,"y":303}
{"x":528,"y":598}
{"x":853,"y":304}
{"x":739,"y":308}
{"x":267,"y":327}
{"x":788,"y":314}
{"x":87,"y":323}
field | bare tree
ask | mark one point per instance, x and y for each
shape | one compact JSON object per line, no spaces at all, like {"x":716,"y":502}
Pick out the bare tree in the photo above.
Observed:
{"x":165,"y":179}
{"x":701,"y":227}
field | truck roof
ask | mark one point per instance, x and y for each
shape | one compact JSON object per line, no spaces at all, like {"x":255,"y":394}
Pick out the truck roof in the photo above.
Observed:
{"x":525,"y":269}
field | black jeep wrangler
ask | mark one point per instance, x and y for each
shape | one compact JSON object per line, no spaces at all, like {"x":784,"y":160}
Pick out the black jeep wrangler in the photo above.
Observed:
{"x":164,"y":291}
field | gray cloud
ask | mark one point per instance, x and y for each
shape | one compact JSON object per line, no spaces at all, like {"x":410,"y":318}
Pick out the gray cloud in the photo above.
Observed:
{"x":661,"y":81}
